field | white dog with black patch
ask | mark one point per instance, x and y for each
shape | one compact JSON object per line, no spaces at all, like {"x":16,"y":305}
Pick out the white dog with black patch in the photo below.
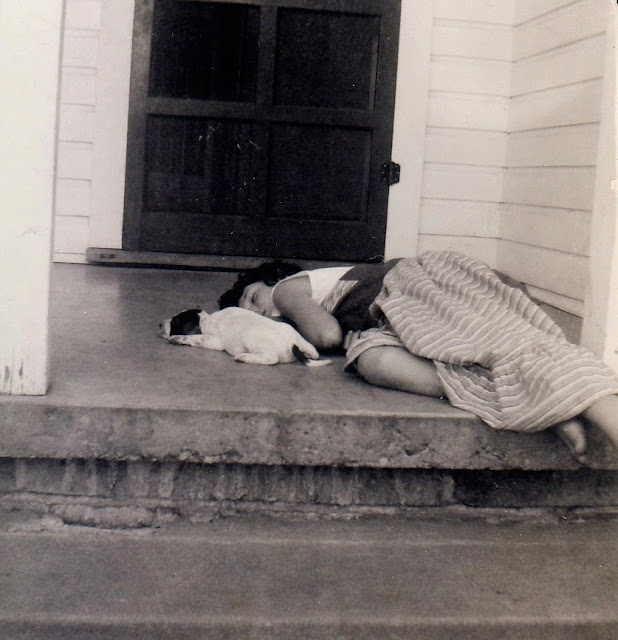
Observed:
{"x":245,"y":335}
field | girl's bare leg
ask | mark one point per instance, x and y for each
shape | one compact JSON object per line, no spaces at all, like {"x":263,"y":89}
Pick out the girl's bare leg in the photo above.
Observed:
{"x":604,"y":415}
{"x":573,"y":434}
{"x":396,"y":368}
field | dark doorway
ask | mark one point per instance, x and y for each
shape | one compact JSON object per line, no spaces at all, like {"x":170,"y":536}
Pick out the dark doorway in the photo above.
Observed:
{"x":260,"y":128}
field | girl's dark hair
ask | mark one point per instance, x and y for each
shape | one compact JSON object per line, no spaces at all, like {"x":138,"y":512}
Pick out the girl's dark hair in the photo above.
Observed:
{"x":269,"y":273}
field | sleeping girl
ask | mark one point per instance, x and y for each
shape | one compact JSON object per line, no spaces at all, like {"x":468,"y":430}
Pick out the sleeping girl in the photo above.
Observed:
{"x":444,"y":325}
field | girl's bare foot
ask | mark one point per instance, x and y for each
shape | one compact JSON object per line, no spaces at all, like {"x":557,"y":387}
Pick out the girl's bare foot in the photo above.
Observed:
{"x":573,"y":434}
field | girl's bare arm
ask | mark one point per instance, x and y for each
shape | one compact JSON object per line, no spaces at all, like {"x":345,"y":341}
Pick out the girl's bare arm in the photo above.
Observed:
{"x":294,"y":301}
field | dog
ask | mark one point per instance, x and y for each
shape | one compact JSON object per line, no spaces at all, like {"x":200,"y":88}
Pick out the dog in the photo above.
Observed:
{"x":245,"y":335}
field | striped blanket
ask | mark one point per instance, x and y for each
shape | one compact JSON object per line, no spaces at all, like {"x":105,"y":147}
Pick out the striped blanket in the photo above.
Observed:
{"x":497,"y":354}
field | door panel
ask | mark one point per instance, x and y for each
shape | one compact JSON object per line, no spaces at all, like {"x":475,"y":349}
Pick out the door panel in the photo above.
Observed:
{"x":198,"y":166}
{"x":338,"y":191}
{"x":326,"y":59}
{"x":204,"y":51}
{"x":259,"y":127}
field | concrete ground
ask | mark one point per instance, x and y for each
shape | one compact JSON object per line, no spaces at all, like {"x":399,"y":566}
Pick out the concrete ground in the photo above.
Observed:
{"x":120,"y":393}
{"x":106,"y":351}
{"x":118,"y":389}
{"x":373,"y":579}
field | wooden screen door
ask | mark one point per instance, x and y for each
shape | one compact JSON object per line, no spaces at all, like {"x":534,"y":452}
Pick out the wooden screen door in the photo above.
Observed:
{"x":261,"y":127}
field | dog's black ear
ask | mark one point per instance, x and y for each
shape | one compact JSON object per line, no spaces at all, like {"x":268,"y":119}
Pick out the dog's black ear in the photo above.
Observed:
{"x":186,"y":323}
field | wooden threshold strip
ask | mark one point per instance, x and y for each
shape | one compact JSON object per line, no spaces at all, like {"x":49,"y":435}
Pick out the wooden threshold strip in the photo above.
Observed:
{"x":121,"y":257}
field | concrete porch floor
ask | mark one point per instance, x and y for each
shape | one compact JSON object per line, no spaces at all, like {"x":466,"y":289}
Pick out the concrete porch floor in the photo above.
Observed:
{"x":118,"y":390}
{"x":117,"y":443}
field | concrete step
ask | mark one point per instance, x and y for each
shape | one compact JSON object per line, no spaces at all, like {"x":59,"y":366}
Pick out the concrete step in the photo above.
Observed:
{"x":144,"y":493}
{"x":134,"y":425}
{"x":252,"y":578}
{"x":119,"y":392}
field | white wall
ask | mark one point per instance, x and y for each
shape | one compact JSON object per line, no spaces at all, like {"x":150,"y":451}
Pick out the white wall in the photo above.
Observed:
{"x":464,"y":143}
{"x":466,"y":136}
{"x":508,"y":156}
{"x":95,"y":110}
{"x":75,"y":148}
{"x":558,"y":54}
{"x":96,"y":65}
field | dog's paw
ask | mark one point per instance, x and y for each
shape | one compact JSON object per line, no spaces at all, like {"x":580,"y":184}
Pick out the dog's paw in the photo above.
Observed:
{"x":181,"y":340}
{"x":256,"y":358}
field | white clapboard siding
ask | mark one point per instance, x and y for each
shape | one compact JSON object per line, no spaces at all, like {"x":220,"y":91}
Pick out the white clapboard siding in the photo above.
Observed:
{"x":558,"y":49}
{"x":74,"y":160}
{"x":468,"y":75}
{"x":573,"y":104}
{"x":467,"y":119}
{"x":572,"y":22}
{"x":72,"y":197}
{"x":492,"y":11}
{"x":74,"y":169}
{"x":76,"y":123}
{"x":460,"y":218}
{"x":459,"y":182}
{"x":80,"y":48}
{"x":467,"y":111}
{"x":566,"y":303}
{"x":78,"y":86}
{"x":83,"y":14}
{"x":460,"y":146}
{"x":565,"y":230}
{"x":484,"y":249}
{"x":561,"y":146}
{"x":527,"y":10}
{"x":472,"y":40}
{"x":576,"y":62}
{"x":561,"y":187}
{"x":71,"y":234}
{"x":562,"y":273}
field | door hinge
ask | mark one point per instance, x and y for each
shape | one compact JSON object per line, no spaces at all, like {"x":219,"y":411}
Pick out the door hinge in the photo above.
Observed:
{"x":390,"y":172}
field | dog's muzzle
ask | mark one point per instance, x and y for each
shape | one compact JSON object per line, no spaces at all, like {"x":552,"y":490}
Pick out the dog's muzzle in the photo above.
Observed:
{"x":164,"y":329}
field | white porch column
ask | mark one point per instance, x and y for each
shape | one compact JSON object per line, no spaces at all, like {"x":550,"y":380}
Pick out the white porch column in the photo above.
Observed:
{"x":30,"y":37}
{"x":600,"y":328}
